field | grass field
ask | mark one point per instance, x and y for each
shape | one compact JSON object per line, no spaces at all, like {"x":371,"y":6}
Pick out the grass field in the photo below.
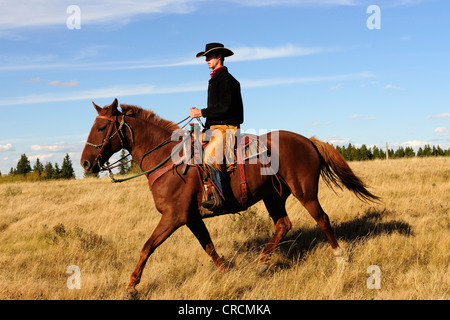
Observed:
{"x":45,"y":227}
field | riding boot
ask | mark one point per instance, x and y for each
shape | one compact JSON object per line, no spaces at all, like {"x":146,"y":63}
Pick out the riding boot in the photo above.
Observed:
{"x":217,"y":201}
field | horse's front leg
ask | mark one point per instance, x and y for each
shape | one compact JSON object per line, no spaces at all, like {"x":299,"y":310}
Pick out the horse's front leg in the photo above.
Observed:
{"x":166,"y":226}
{"x":198,"y":228}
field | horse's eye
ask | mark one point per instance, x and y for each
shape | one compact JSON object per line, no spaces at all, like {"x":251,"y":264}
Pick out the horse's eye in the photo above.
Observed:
{"x":101,"y":129}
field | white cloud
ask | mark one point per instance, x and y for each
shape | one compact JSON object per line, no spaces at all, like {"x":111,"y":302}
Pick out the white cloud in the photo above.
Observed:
{"x":43,"y":158}
{"x":296,"y":3}
{"x":38,"y":13}
{"x":404,"y":2}
{"x":415,"y":143}
{"x":335,"y":87}
{"x":33,"y":80}
{"x":61,"y":147}
{"x":303,"y":80}
{"x":241,"y":54}
{"x":338,"y":141}
{"x":72,"y":83}
{"x":443,"y":131}
{"x":262,"y":53}
{"x":25,"y":13}
{"x":318,"y":124}
{"x":56,"y":152}
{"x":22,"y":64}
{"x":25,"y":58}
{"x":7,"y":147}
{"x":361,"y":117}
{"x":390,"y":86}
{"x":440,"y":116}
{"x":133,"y":90}
{"x":89,"y":52}
{"x":109,"y":92}
{"x":324,"y":3}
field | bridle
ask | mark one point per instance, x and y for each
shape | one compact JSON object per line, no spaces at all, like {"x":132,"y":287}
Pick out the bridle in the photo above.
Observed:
{"x":109,"y":136}
{"x":121,"y":136}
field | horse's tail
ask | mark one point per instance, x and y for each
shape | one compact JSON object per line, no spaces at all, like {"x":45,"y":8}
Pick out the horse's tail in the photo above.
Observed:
{"x":335,"y":169}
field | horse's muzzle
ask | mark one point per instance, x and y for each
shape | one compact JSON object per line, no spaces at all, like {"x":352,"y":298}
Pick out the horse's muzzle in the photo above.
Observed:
{"x":86,"y":165}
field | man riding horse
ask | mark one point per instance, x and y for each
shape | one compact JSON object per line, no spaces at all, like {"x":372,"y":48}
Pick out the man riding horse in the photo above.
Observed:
{"x":224,"y":114}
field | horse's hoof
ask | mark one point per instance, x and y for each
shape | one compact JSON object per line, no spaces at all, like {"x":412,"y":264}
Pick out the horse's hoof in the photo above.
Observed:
{"x":343,"y":261}
{"x":130,"y":294}
{"x":223,"y":269}
{"x":341,"y":257}
{"x":262,"y":268}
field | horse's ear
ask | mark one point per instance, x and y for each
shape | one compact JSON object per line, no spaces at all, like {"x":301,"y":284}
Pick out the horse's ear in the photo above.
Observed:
{"x":114,"y":106}
{"x":97,"y":107}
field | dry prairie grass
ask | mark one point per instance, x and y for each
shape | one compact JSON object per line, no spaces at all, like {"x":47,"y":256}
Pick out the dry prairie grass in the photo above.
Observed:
{"x":101,"y":227}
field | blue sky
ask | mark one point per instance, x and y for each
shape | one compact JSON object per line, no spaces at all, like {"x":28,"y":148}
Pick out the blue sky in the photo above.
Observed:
{"x":312,"y":67}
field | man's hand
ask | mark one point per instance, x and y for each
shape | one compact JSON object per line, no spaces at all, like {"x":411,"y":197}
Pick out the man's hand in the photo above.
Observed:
{"x":195,"y":113}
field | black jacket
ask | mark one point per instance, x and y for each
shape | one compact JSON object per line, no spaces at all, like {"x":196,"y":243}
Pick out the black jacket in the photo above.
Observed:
{"x":224,"y":100}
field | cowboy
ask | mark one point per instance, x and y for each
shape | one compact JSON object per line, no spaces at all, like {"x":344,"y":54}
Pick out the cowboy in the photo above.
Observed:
{"x":224,"y":114}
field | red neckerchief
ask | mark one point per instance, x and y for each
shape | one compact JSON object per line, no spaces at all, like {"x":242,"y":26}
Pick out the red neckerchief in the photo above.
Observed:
{"x":215,"y":70}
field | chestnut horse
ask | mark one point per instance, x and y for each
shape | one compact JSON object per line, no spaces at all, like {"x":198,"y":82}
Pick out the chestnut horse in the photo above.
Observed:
{"x":178,"y":197}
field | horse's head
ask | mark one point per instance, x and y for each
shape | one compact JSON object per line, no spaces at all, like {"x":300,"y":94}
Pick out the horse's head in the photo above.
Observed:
{"x":104,"y":139}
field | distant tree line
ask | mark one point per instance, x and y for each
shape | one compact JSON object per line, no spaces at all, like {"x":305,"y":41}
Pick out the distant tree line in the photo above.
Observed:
{"x":352,"y":153}
{"x":24,"y":171}
{"x":39,"y":171}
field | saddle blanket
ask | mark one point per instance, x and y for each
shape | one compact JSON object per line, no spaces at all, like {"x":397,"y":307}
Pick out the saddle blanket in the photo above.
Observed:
{"x":253,"y":148}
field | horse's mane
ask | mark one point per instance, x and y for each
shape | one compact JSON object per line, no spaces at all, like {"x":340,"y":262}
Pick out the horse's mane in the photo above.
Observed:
{"x":149,"y":116}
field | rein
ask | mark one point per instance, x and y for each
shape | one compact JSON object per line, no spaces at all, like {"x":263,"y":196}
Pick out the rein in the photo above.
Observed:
{"x":163,"y":162}
{"x":164,"y":142}
{"x":121,"y":137}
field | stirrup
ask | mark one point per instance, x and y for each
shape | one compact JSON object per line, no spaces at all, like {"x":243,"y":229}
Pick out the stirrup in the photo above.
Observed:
{"x":215,"y":202}
{"x":208,"y":204}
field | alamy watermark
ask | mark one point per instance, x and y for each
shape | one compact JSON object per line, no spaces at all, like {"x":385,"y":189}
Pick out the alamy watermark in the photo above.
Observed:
{"x":74,"y":280}
{"x":374,"y":20}
{"x":74,"y":20}
{"x":374,"y":281}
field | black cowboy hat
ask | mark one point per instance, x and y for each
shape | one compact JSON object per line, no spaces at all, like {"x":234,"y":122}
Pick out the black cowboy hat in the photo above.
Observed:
{"x":217,"y":48}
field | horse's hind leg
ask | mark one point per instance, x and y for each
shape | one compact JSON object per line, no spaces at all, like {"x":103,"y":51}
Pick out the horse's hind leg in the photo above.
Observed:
{"x":315,"y":210}
{"x":198,"y":228}
{"x":277,"y":211}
